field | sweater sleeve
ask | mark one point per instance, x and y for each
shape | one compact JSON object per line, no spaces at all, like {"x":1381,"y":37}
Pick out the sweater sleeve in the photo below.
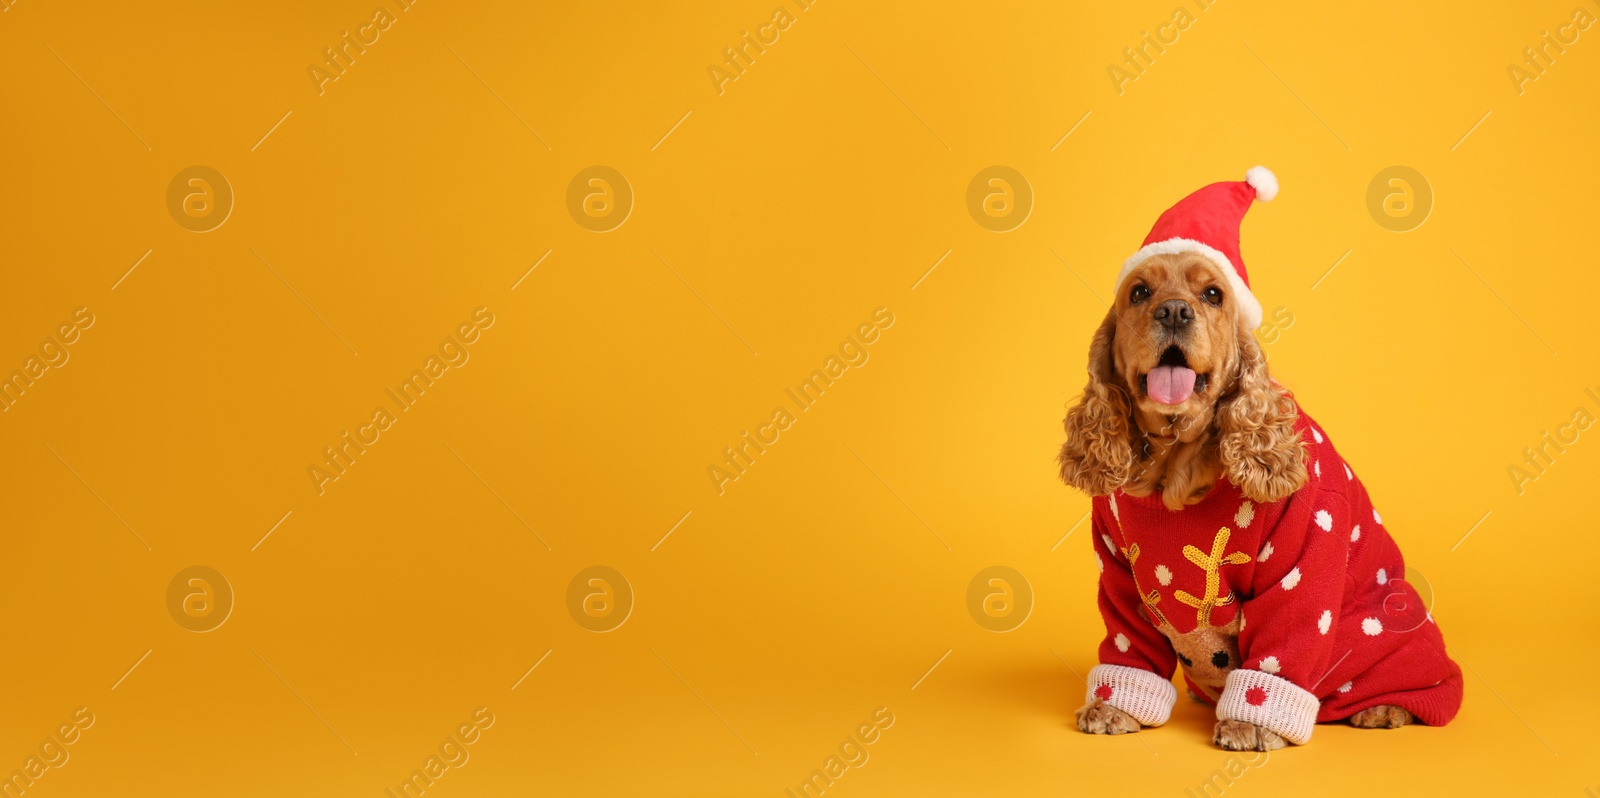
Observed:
{"x":1136,"y":659}
{"x":1298,"y":588}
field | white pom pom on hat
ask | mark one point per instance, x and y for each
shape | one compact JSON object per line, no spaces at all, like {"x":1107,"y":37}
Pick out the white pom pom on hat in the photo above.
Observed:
{"x":1263,"y":181}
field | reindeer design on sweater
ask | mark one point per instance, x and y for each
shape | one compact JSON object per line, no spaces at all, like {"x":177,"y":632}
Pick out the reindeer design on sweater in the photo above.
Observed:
{"x":1207,"y":652}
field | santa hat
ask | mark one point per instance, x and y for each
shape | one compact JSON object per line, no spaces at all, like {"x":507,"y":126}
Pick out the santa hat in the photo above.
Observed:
{"x":1207,"y":222}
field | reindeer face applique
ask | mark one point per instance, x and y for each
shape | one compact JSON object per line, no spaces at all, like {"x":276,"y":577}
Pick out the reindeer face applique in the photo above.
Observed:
{"x":1206,"y":652}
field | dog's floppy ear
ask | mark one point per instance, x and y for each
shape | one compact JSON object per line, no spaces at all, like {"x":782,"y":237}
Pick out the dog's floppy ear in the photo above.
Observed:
{"x":1261,"y":452}
{"x":1098,"y":453}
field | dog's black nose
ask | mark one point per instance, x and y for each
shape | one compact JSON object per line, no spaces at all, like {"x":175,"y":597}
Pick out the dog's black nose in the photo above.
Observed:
{"x":1174,"y":313}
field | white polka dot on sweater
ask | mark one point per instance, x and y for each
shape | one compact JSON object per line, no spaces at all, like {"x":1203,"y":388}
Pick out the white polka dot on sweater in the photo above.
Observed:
{"x":1345,"y":688}
{"x":1383,"y":577}
{"x":1122,"y":642}
{"x":1375,"y":516}
{"x":1325,"y":622}
{"x":1325,"y":520}
{"x":1372,"y":626}
{"x":1316,"y":434}
{"x":1316,"y":468}
{"x":1099,"y":563}
{"x":1355,"y":533}
{"x":1266,"y":551}
{"x":1269,"y":665}
{"x":1112,"y":547}
{"x":1246,"y":514}
{"x":1292,"y":578}
{"x":1115,"y":513}
{"x":1348,"y":474}
{"x":1163,"y":575}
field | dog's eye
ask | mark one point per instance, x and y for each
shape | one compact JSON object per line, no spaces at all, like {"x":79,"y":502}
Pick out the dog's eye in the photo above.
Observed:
{"x":1213,"y":295}
{"x":1139,"y":294}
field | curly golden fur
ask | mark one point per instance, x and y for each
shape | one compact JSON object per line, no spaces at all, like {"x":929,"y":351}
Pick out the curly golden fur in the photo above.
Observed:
{"x":1237,"y":735}
{"x":1098,"y":717}
{"x":1097,"y":456}
{"x":1382,"y":716}
{"x":1238,"y":423}
{"x":1261,"y":452}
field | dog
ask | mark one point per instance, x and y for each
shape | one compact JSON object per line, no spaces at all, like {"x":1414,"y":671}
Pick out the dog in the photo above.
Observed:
{"x":1232,"y":538}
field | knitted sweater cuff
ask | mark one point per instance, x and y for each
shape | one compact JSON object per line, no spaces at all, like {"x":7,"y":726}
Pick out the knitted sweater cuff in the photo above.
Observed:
{"x":1270,"y":702}
{"x":1140,"y":693}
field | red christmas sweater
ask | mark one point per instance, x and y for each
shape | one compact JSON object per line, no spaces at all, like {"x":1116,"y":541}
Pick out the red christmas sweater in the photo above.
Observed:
{"x":1282,"y":614}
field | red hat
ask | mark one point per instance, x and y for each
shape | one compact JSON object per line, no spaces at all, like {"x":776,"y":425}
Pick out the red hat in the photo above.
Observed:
{"x":1207,"y":222}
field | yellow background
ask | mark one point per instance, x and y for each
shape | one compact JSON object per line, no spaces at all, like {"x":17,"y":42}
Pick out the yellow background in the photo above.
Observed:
{"x":774,"y":219}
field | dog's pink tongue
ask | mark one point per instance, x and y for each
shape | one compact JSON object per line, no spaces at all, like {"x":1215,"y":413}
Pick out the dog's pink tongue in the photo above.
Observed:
{"x":1170,"y":385}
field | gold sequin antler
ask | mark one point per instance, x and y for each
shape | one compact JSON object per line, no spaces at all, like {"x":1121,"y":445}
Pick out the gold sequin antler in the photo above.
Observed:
{"x":1131,"y":554}
{"x":1210,"y":563}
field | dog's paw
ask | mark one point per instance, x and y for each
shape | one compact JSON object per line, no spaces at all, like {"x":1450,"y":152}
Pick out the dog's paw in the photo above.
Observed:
{"x":1381,"y":717}
{"x":1098,"y":717}
{"x":1237,"y":735}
